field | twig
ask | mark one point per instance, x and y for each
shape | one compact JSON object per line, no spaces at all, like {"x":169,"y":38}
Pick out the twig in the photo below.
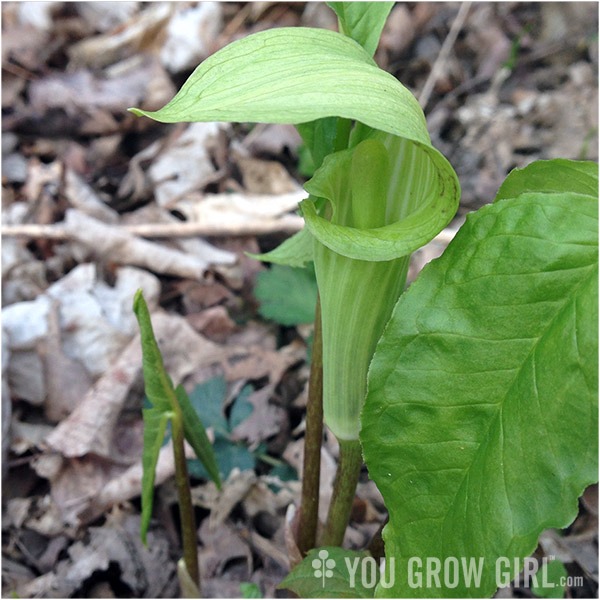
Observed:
{"x":285,"y":224}
{"x":442,"y":57}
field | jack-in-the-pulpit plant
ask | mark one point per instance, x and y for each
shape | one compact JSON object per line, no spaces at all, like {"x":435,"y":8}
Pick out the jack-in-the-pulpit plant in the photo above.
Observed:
{"x":454,"y":391}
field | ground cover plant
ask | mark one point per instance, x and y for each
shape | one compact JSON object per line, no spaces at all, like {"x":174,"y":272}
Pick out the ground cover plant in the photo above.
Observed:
{"x":454,"y":392}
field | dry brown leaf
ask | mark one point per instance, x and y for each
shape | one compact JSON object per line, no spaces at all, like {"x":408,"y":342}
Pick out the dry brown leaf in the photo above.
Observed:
{"x":290,"y":532}
{"x":220,"y":545}
{"x":126,"y":40}
{"x":185,"y":165}
{"x":111,"y":243}
{"x":127,"y":484}
{"x":266,"y":419}
{"x":146,"y":571}
{"x":209,"y":209}
{"x":215,"y":323}
{"x":265,"y":176}
{"x":66,"y":379}
{"x":82,"y":197}
{"x":254,"y":363}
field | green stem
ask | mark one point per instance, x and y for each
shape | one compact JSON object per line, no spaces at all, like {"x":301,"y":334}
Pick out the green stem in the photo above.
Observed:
{"x":344,"y":489}
{"x":186,"y":510}
{"x":313,"y":437}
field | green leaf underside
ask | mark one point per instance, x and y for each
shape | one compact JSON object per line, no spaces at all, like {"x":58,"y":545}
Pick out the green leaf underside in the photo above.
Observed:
{"x":155,"y":424}
{"x":296,"y":251}
{"x":302,"y":579}
{"x":551,"y":176}
{"x":295,"y":75}
{"x":195,"y":434}
{"x":287,"y":296}
{"x":480,"y":423}
{"x":362,"y":21}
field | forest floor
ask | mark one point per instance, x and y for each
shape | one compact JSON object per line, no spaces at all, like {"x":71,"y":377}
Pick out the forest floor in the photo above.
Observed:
{"x":87,"y":185}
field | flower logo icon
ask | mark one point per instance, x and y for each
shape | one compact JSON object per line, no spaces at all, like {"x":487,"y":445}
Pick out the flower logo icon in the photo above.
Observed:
{"x":323,"y":566}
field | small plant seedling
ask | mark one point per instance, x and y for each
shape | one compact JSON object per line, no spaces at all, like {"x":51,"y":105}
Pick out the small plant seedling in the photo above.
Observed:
{"x":171,"y":404}
{"x":455,"y":392}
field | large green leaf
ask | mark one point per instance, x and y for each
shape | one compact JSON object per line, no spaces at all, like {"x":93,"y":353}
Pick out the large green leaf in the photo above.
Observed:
{"x":295,"y":75}
{"x":331,"y":572}
{"x":362,"y":21}
{"x":551,"y":176}
{"x":480,"y":424}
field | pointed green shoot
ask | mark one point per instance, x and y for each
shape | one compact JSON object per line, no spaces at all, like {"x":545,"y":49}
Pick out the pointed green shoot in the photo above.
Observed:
{"x":166,"y":402}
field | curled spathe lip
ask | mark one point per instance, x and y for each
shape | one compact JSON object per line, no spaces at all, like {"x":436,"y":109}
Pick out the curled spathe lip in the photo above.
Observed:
{"x":418,"y":206}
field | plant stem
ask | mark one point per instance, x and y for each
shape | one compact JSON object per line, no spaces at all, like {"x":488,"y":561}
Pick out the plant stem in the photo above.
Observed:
{"x":186,"y":510}
{"x":313,"y":437}
{"x":344,"y":489}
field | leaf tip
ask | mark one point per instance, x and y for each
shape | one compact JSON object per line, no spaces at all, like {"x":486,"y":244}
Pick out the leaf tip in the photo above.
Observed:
{"x":138,"y":299}
{"x":137,"y":112}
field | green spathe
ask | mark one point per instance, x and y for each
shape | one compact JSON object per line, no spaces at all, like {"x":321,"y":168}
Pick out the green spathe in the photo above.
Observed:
{"x":357,"y":296}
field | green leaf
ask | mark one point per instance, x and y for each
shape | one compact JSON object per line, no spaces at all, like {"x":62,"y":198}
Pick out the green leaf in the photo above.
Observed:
{"x":362,"y":21}
{"x":241,"y":409}
{"x":287,"y":296}
{"x":250,"y":590}
{"x":229,"y":455}
{"x":195,"y":434}
{"x":549,"y":581}
{"x":331,"y":572}
{"x":160,"y":393}
{"x":295,"y":75}
{"x":207,"y":400}
{"x":465,"y":428}
{"x":155,"y":424}
{"x":551,"y":176}
{"x":159,"y":389}
{"x":296,"y":251}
